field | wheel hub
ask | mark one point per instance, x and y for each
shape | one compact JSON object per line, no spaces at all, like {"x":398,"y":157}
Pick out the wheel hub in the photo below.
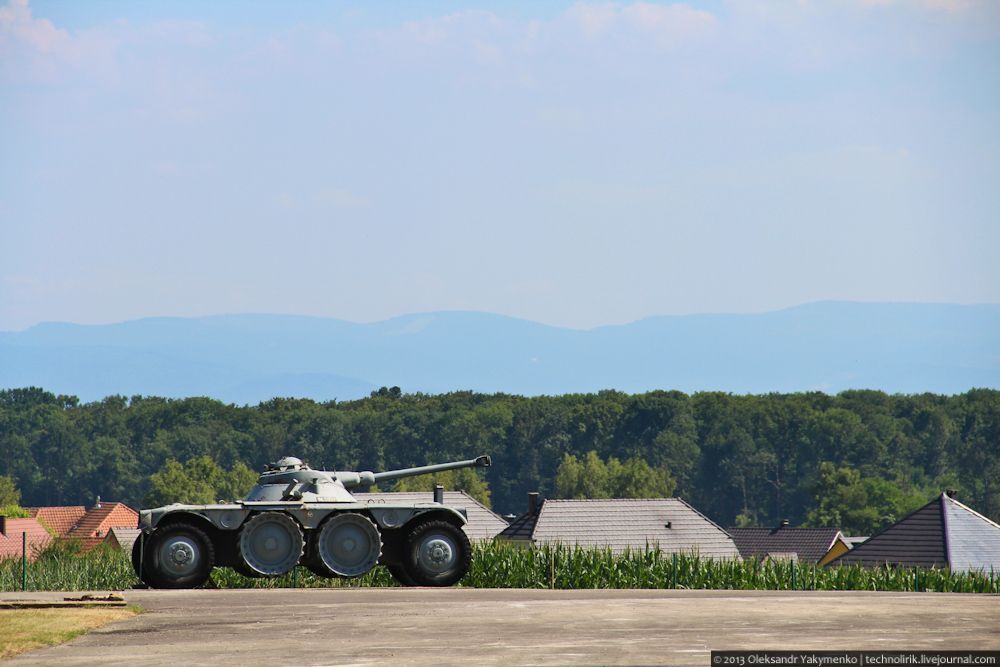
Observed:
{"x":181,"y":554}
{"x":437,"y":554}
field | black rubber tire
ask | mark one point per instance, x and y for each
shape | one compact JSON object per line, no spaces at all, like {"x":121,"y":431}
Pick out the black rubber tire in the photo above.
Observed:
{"x":422,"y":576}
{"x":312,"y":562}
{"x":241,"y":568}
{"x":398,"y":573}
{"x":158,"y":576}
{"x":138,"y":556}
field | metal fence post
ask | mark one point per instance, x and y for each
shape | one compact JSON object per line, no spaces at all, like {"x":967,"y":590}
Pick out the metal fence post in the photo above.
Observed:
{"x":24,"y":561}
{"x":793,"y":575}
{"x":675,"y":570}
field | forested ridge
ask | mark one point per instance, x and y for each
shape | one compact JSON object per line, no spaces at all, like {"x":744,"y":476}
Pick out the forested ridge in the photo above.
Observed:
{"x":856,"y":460}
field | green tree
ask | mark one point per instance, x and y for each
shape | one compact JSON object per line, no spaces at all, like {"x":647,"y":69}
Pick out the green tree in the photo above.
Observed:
{"x":10,"y":499}
{"x":9,"y":495}
{"x":176,"y":483}
{"x":594,"y":478}
{"x":637,"y":479}
{"x":236,"y":483}
{"x":200,"y":481}
{"x":464,"y":479}
{"x":857,"y":505}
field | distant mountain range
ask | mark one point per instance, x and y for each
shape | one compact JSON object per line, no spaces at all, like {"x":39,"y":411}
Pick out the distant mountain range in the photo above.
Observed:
{"x":827,"y":346}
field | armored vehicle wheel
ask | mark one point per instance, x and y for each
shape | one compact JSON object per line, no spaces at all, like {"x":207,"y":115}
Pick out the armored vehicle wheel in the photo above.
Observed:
{"x":271,"y":544}
{"x":138,"y":556}
{"x":398,"y":573}
{"x":348,"y":545}
{"x":177,"y":556}
{"x":318,"y":569}
{"x":242,"y":568}
{"x":436,"y":553}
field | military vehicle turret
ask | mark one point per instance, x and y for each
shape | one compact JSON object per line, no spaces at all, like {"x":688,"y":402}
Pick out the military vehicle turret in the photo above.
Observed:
{"x":296,"y":515}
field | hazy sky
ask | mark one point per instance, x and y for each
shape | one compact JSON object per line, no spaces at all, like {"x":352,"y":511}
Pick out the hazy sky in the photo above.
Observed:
{"x":572,"y":163}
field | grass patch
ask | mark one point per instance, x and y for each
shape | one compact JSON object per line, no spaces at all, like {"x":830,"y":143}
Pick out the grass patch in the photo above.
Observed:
{"x":28,"y":629}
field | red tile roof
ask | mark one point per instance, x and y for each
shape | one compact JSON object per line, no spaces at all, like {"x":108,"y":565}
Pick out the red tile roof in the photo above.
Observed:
{"x":98,"y":521}
{"x":10,"y":537}
{"x":58,"y":519}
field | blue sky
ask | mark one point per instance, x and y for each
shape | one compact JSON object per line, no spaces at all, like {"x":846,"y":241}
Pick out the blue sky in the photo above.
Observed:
{"x":576,"y":164}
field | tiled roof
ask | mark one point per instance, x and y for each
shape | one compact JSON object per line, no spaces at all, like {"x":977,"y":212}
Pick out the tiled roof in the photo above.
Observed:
{"x":627,"y":524}
{"x":483,"y":523}
{"x":11,"y":540}
{"x":808,"y":544}
{"x":95,"y":525}
{"x":916,"y":540}
{"x":973,"y":540}
{"x":123,"y":538}
{"x":58,"y":519}
{"x":523,"y":527}
{"x":942,"y":533}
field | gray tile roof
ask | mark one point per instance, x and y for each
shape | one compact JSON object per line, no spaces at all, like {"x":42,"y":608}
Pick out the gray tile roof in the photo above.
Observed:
{"x":483,"y":523}
{"x":124,"y":537}
{"x":973,"y":540}
{"x":942,"y":533}
{"x":523,"y":526}
{"x":808,"y":544}
{"x":625,"y":524}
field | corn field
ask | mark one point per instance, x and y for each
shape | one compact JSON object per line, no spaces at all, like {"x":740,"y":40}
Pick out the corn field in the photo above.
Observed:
{"x":496,"y":565}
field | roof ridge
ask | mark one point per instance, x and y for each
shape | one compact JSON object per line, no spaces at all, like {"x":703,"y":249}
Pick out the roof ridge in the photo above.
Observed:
{"x":785,"y":528}
{"x":462,"y":491}
{"x":937,"y":499}
{"x":606,"y":500}
{"x":946,"y":498}
{"x":693,"y":509}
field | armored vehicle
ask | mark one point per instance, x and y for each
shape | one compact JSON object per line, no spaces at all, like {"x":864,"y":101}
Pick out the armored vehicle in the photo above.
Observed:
{"x":296,"y":515}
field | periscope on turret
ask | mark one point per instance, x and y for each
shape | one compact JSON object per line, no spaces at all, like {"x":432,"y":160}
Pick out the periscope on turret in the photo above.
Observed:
{"x":295,"y":515}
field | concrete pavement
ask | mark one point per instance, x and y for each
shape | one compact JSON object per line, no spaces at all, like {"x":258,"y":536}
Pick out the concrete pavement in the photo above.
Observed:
{"x":482,"y":626}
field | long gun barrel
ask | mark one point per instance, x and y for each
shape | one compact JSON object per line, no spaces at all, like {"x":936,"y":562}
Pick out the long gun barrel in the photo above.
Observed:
{"x":352,"y":480}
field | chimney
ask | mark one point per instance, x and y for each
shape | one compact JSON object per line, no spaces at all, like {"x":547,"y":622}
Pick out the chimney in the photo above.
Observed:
{"x":439,"y":494}
{"x":97,"y":504}
{"x":532,"y":502}
{"x":783,"y":524}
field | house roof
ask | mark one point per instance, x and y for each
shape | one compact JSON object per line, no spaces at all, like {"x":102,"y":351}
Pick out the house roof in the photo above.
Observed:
{"x":523,"y":527}
{"x":808,"y":544}
{"x":483,"y":523}
{"x":58,"y":519}
{"x":123,"y":538}
{"x":973,"y":539}
{"x":625,"y":524}
{"x":93,"y":528}
{"x":942,"y":533}
{"x":11,"y":540}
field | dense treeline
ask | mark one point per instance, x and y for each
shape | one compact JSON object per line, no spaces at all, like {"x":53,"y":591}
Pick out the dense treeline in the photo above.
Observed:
{"x":857,"y":459}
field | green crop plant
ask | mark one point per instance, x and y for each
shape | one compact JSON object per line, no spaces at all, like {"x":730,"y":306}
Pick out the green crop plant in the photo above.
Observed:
{"x":503,"y":565}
